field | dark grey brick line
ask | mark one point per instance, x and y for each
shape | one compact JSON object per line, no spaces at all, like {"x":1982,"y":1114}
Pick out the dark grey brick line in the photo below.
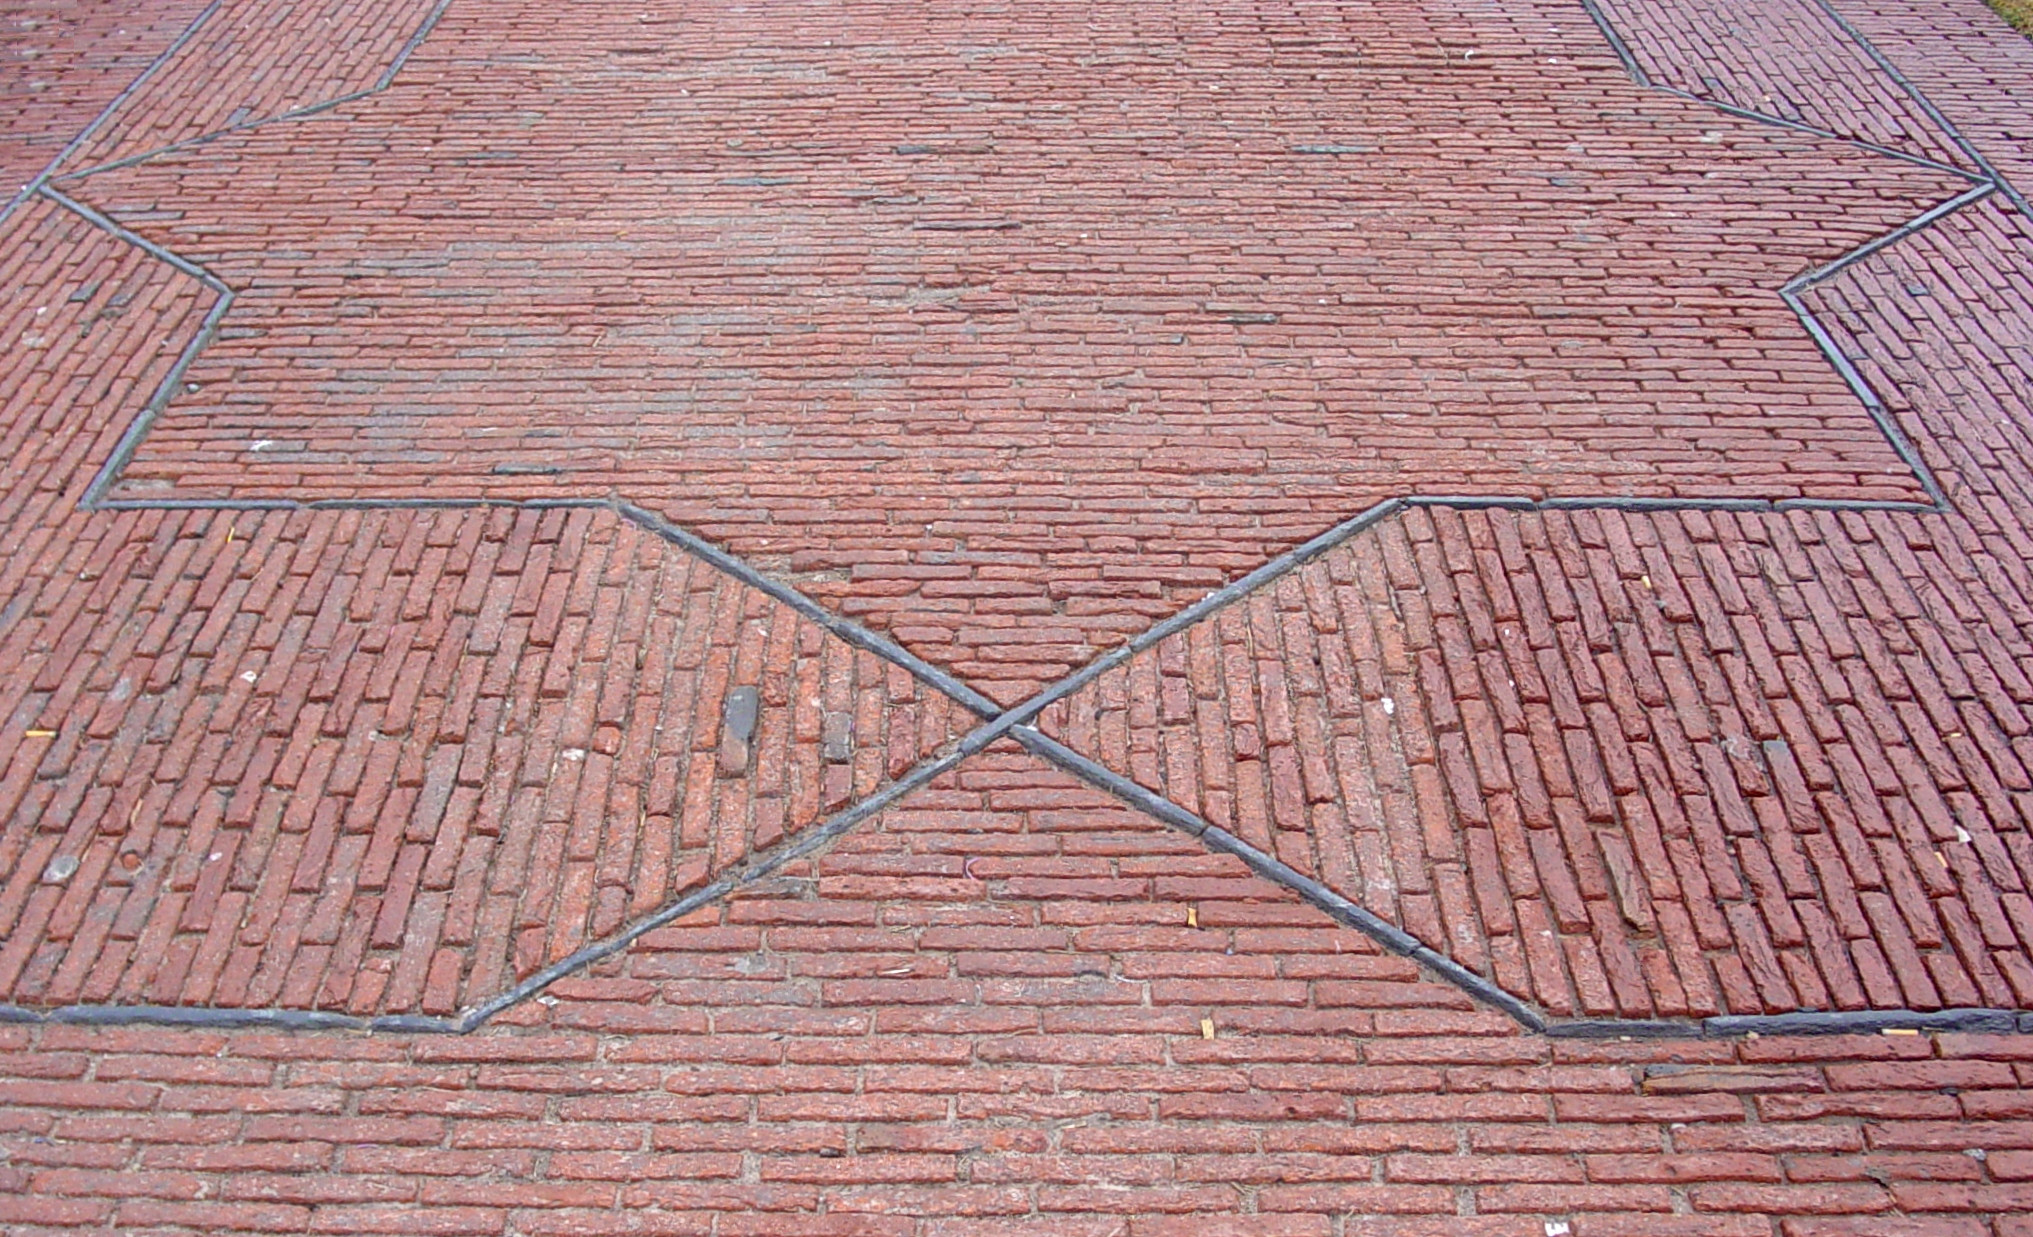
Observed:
{"x":106,"y":113}
{"x":165,"y":391}
{"x":1919,"y":96}
{"x":308,"y":110}
{"x":1015,"y":722}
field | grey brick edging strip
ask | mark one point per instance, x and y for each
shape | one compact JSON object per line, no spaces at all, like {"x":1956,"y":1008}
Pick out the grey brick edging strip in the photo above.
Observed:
{"x":144,"y":421}
{"x":387,"y":79}
{"x":1919,"y":97}
{"x":754,"y":869}
{"x":205,"y":1017}
{"x":42,"y":178}
{"x":845,"y":628}
{"x":1807,"y":1022}
{"x":1271,"y":868}
{"x":1016,"y":722}
{"x":1790,"y":293}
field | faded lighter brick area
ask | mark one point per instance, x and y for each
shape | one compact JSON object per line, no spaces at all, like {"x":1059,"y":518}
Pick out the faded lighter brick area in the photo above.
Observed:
{"x":374,"y":373}
{"x":1035,"y":325}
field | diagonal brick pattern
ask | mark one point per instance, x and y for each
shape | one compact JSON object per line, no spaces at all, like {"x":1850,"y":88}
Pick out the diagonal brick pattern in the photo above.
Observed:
{"x":66,"y":61}
{"x":93,"y":327}
{"x":1955,"y":56}
{"x":1681,"y":764}
{"x":897,"y":1057}
{"x":393,"y":761}
{"x":252,"y":61}
{"x":1671,"y":764}
{"x":1791,"y":61}
{"x":1639,"y":762}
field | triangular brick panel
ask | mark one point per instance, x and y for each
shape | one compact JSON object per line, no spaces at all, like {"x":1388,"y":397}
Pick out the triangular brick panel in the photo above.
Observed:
{"x":393,"y":760}
{"x":1643,"y":766}
{"x":1675,"y":763}
{"x":1009,"y":895}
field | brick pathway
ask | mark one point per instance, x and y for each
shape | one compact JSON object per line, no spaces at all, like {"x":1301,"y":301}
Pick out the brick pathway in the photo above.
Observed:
{"x":1044,"y":619}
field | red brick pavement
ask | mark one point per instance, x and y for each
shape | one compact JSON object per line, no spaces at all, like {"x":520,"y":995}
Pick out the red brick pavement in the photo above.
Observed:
{"x":1017,"y":409}
{"x":257,"y":63}
{"x":964,"y":1130}
{"x":1011,"y":1006}
{"x":1635,"y":764}
{"x":66,"y":60}
{"x":389,"y":760}
{"x":1671,"y":763}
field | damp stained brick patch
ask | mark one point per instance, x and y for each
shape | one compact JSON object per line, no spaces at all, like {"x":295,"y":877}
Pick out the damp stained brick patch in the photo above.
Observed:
{"x":1642,"y":762}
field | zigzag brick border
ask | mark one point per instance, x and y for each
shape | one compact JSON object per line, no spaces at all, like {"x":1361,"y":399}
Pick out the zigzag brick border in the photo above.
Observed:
{"x":1015,"y":722}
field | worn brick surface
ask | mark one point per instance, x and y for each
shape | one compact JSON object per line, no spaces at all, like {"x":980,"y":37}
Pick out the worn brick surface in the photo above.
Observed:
{"x":1020,"y":411}
{"x":66,"y":60}
{"x":918,"y":1035}
{"x":1664,"y":764}
{"x":395,"y":760}
{"x":752,"y":268}
{"x":372,"y":761}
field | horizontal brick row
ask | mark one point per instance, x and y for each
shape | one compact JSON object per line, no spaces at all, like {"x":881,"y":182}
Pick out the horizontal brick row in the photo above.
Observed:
{"x":250,"y":61}
{"x":1012,"y":415}
{"x":770,"y":1064}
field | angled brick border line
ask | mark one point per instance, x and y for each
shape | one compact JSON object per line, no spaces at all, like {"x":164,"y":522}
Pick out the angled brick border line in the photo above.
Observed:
{"x":1948,"y":127}
{"x":1887,"y":424}
{"x":1395,"y":939}
{"x":52,"y":172}
{"x":137,"y":429}
{"x":1350,"y":913}
{"x":1016,"y":723}
{"x":382,"y":83}
{"x":753,"y":869}
{"x":1632,"y":66}
{"x":1986,"y":170}
{"x":98,"y":122}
